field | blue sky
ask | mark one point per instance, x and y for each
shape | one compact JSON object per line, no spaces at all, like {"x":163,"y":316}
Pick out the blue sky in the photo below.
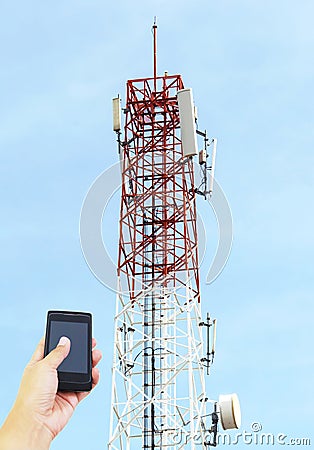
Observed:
{"x":250,"y":64}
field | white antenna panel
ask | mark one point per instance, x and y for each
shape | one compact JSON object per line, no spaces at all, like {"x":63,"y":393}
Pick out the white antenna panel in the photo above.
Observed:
{"x":116,"y":114}
{"x":187,"y":122}
{"x":230,"y":412}
{"x":212,"y":173}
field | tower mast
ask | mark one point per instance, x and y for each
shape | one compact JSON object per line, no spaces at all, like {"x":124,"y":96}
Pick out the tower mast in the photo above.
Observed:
{"x":159,"y":398}
{"x":155,"y":52}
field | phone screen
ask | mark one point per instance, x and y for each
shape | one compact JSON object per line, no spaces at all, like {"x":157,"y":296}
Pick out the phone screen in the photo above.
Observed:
{"x":77,"y":332}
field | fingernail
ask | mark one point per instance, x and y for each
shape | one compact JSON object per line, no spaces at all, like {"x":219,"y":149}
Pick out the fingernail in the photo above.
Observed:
{"x":63,"y":340}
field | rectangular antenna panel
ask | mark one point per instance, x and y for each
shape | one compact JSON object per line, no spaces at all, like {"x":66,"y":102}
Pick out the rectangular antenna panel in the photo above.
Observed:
{"x":187,"y":122}
{"x":116,"y":114}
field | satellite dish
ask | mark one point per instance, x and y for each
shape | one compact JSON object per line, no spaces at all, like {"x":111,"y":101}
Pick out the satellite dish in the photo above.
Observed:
{"x":230,"y":412}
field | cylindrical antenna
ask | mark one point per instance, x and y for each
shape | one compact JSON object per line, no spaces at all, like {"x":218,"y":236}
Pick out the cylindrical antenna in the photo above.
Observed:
{"x":116,"y":114}
{"x":155,"y":52}
{"x":212,"y":172}
{"x":214,"y":337}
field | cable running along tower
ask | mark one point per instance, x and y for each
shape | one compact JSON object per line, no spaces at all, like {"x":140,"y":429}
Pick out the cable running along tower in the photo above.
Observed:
{"x":159,"y":398}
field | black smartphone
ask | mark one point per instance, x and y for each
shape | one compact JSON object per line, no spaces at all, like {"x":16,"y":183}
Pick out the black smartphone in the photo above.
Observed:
{"x":75,"y":372}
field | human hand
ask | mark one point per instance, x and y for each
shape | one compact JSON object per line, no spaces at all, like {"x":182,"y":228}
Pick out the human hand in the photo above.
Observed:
{"x":40,"y":412}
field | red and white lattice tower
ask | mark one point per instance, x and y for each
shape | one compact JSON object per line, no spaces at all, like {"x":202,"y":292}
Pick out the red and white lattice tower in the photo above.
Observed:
{"x":159,"y":398}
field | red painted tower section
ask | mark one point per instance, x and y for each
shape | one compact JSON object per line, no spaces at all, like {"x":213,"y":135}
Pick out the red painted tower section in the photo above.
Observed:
{"x":158,"y":234}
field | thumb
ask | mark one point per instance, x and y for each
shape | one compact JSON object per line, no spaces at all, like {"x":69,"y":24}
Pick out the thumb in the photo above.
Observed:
{"x":56,"y":356}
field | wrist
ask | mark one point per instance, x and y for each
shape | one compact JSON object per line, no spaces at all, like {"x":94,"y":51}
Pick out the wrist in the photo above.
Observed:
{"x":21,"y":431}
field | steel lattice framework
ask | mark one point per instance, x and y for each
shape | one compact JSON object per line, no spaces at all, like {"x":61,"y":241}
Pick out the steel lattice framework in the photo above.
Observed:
{"x":158,"y":387}
{"x":158,"y":236}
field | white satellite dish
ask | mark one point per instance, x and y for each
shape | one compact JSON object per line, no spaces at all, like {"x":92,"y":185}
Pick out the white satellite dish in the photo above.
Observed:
{"x":230,"y":412}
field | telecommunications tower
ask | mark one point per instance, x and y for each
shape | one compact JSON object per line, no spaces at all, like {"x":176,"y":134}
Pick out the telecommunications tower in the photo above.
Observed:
{"x":163,"y":348}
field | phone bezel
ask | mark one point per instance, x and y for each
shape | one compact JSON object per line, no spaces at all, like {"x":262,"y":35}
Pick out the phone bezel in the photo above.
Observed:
{"x":72,"y":381}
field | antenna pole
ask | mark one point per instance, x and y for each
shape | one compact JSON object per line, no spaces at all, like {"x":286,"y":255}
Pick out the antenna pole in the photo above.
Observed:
{"x":155,"y":52}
